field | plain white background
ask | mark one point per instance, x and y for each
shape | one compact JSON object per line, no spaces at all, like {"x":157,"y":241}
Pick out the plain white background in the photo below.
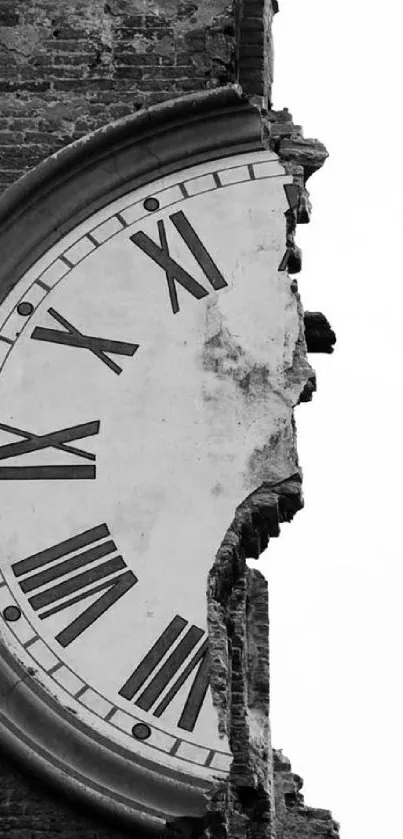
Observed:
{"x":336,"y":572}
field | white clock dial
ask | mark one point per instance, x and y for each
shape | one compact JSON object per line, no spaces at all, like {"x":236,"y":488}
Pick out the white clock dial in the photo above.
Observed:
{"x":127,"y":438}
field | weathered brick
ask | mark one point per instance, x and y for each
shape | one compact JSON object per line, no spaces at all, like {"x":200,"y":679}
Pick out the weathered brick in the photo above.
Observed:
{"x":72,"y":59}
{"x":77,"y":45}
{"x":118,"y":111}
{"x":42,"y":138}
{"x":169,"y":73}
{"x":8,"y":17}
{"x":27,"y":155}
{"x":8,"y":71}
{"x":18,"y":86}
{"x":19,"y":123}
{"x":254,"y":8}
{"x":184,"y":57}
{"x":253,"y":36}
{"x":7,"y":59}
{"x":153,"y":85}
{"x":193,"y":84}
{"x":68,"y":73}
{"x":11,"y":138}
{"x":80,"y":85}
{"x":134,"y":59}
{"x":133,"y":22}
{"x":8,"y":176}
{"x":247,"y":50}
{"x":156,"y":22}
{"x":129,"y":72}
{"x":66,"y":33}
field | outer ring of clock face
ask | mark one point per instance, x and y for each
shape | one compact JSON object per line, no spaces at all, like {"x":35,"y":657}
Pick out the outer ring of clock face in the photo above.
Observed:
{"x":139,"y":748}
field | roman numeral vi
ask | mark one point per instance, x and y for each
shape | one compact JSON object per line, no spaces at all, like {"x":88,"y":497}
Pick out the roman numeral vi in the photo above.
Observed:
{"x":42,"y":568}
{"x":163,"y":676}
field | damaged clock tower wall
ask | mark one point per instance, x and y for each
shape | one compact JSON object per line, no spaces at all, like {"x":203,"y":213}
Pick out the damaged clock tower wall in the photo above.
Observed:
{"x":67,"y":68}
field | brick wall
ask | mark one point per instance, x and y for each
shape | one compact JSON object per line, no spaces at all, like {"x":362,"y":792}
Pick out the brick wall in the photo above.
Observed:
{"x":68,"y":67}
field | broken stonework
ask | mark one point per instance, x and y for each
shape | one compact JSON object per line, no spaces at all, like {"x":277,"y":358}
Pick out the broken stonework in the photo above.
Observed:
{"x":319,"y":335}
{"x":243,"y":805}
{"x":293,"y":817}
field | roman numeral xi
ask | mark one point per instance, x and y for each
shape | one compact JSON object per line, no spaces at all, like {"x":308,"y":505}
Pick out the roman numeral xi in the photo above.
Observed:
{"x":152,"y":696}
{"x":67,"y":588}
{"x":56,"y":440}
{"x":173,"y":271}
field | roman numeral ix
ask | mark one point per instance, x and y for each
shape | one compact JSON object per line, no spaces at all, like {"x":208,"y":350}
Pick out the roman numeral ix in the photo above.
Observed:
{"x":42,"y":568}
{"x":173,"y":271}
{"x":56,"y":440}
{"x":152,"y":695}
{"x":74,"y":338}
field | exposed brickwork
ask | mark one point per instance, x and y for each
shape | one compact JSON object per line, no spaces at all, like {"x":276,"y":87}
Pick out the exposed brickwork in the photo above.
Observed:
{"x":68,"y":67}
{"x":255,"y":47}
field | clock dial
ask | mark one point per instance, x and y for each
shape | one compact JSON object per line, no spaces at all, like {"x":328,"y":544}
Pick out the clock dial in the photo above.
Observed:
{"x":125,"y":352}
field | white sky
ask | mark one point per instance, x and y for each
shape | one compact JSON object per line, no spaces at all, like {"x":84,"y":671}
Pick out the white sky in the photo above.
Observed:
{"x":335,"y":573}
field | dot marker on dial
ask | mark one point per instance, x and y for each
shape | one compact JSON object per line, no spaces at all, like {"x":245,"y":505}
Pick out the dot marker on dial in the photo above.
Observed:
{"x":151,"y":204}
{"x":11,"y":613}
{"x":141,"y":731}
{"x":25,"y":309}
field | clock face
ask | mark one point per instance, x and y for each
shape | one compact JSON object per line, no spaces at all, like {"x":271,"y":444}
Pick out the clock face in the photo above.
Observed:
{"x":134,"y":358}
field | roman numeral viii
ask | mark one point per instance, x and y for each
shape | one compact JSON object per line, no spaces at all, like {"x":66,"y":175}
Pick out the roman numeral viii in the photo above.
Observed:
{"x":37,"y":571}
{"x":56,"y":440}
{"x":153,"y":696}
{"x":173,"y":271}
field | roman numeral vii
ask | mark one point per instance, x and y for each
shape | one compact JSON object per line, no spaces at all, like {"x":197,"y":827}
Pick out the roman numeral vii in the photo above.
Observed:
{"x":35,"y":573}
{"x":159,"y":692}
{"x":173,"y":271}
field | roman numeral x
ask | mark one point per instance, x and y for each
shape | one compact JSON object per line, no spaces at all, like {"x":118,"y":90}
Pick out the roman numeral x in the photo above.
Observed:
{"x":74,"y":338}
{"x":173,"y":271}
